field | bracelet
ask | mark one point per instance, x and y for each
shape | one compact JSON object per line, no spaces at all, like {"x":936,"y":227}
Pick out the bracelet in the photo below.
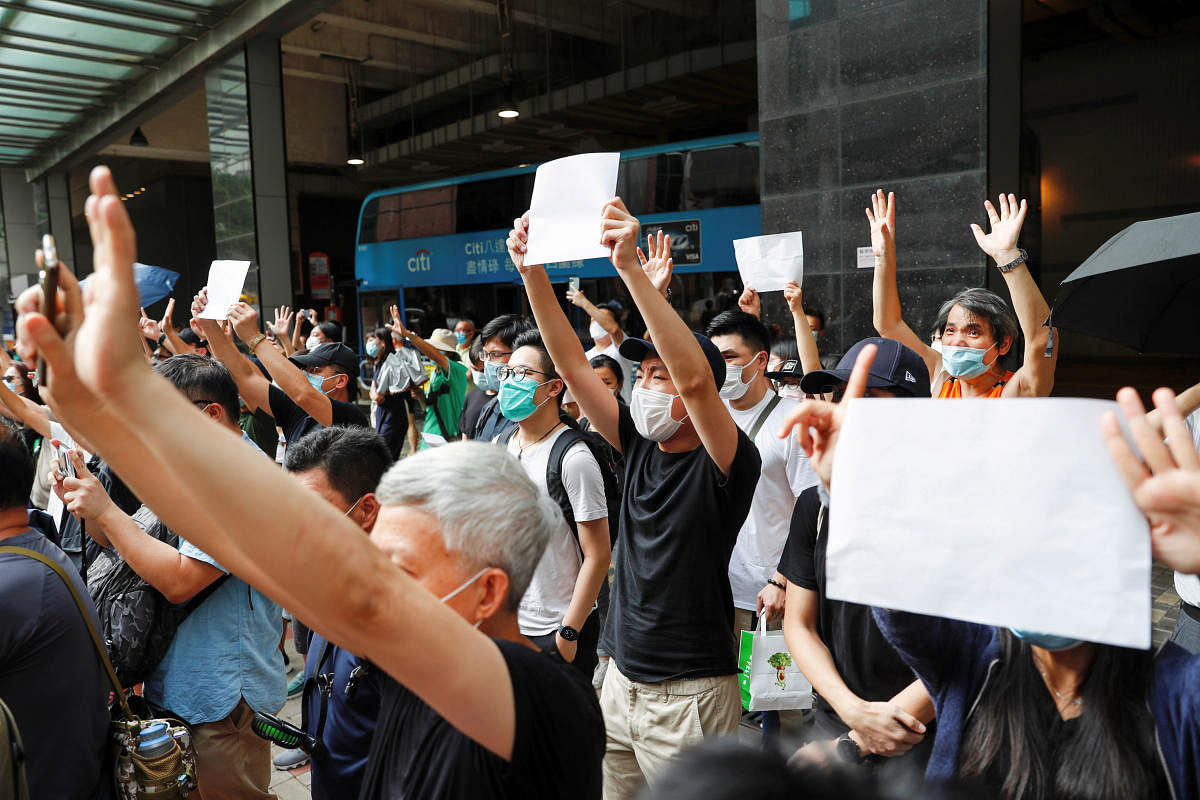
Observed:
{"x":774,"y":582}
{"x":162,"y":339}
{"x":1016,"y":262}
{"x":256,"y":341}
{"x":668,"y":294}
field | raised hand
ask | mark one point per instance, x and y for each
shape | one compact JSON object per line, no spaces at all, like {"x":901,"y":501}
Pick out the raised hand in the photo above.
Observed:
{"x":397,"y":324}
{"x":518,"y":242}
{"x":882,"y":216}
{"x":1001,"y":242}
{"x":576,"y":296}
{"x":98,"y":352}
{"x":1165,"y":481}
{"x":818,"y":423}
{"x":149,"y":328}
{"x":658,"y":265}
{"x":245,"y":320}
{"x":794,"y":297}
{"x":167,"y":323}
{"x":83,"y":495}
{"x":750,"y":302}
{"x":282,"y":326}
{"x":619,"y":232}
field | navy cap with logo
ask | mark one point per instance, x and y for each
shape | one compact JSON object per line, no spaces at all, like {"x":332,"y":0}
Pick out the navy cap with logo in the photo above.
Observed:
{"x":636,"y":350}
{"x":329,"y":354}
{"x":895,"y":367}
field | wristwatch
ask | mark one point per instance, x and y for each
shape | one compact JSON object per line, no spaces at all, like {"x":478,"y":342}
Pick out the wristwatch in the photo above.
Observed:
{"x":848,"y":751}
{"x":568,"y":633}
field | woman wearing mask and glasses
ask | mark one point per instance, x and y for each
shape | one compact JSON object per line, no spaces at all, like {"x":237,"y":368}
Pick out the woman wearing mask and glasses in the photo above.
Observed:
{"x":978,"y":329}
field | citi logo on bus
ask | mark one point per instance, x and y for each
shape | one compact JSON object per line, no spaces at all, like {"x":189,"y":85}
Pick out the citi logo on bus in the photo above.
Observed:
{"x":420,"y":262}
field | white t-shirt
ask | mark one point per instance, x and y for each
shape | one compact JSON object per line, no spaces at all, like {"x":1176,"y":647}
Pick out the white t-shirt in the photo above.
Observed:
{"x":785,"y":474}
{"x":627,"y":367}
{"x":549,"y":594}
{"x":1188,"y":586}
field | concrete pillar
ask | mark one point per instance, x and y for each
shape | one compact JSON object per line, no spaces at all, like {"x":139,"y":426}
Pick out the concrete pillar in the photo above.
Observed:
{"x":58,"y":200}
{"x":20,"y":235}
{"x":855,"y":96}
{"x":268,"y":154}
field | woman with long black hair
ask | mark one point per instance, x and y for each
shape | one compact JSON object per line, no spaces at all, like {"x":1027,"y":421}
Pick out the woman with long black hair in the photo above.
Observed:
{"x":388,"y":390}
{"x":1026,"y":716}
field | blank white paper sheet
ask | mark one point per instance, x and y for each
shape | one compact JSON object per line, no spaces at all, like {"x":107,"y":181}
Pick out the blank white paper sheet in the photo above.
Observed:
{"x":225,"y":281}
{"x":766,"y":263}
{"x":564,"y":214}
{"x":1002,"y":512}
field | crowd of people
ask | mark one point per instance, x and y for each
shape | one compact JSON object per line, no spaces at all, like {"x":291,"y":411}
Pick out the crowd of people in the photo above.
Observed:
{"x":525,"y":571}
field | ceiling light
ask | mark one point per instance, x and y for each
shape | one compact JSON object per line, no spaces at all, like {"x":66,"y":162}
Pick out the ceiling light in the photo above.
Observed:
{"x":138,"y":139}
{"x":508,"y":112}
{"x":355,"y":161}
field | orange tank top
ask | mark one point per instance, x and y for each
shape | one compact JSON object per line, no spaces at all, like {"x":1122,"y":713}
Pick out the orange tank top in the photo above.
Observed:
{"x":952,"y":389}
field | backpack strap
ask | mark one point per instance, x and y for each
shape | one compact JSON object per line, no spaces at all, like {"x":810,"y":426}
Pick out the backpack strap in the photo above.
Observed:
{"x":87,"y":621}
{"x":15,"y":754}
{"x":554,"y":485}
{"x":762,"y":417}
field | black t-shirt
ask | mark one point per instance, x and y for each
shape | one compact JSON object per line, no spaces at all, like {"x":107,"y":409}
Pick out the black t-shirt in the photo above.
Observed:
{"x":557,"y":749}
{"x":469,"y":417}
{"x":671,"y":613}
{"x":871,"y":668}
{"x":296,"y":422}
{"x":50,"y":675}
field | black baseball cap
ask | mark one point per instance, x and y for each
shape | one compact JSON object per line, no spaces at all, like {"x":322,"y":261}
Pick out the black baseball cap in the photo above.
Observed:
{"x":895,"y":367}
{"x":331,"y":354}
{"x":636,"y":350}
{"x":788,"y":369}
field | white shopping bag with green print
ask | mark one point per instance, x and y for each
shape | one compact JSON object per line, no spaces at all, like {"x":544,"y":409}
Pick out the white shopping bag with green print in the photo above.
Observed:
{"x":769,"y":679}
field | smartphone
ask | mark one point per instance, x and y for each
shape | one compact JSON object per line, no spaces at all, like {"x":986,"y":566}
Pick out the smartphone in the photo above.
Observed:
{"x":49,"y":281}
{"x":574,"y":283}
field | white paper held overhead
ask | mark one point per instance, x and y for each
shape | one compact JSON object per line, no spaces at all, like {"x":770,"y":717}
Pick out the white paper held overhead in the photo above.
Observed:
{"x":564,"y":213}
{"x":225,"y":281}
{"x":768,"y":262}
{"x":1002,"y":512}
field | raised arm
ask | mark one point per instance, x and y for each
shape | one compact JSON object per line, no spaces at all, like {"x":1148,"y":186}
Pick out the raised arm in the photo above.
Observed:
{"x":595,"y":400}
{"x":25,"y":411}
{"x":429,"y":351}
{"x":254,"y":389}
{"x":290,"y":378}
{"x":1187,"y":401}
{"x":606,"y":321}
{"x":177,"y":576}
{"x":206,"y":484}
{"x":167,"y":325}
{"x":282,"y":328}
{"x":1035,"y":378}
{"x":685,"y":361}
{"x":810,"y":357}
{"x":885,"y":295}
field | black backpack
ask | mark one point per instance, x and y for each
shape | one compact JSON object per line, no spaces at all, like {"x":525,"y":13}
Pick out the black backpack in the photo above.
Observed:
{"x":610,"y":471}
{"x":137,"y":623}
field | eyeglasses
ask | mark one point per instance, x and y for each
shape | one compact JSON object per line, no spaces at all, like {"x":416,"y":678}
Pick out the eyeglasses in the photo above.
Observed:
{"x":496,"y":355}
{"x":504,"y":373}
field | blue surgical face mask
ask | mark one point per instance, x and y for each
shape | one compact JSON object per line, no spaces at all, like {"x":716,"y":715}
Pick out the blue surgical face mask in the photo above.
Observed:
{"x":318,"y":382}
{"x":1046,"y":641}
{"x":816,"y":336}
{"x":965,"y":362}
{"x":516,"y":398}
{"x":460,"y":337}
{"x":12,"y":387}
{"x":491,"y":378}
{"x":372,"y":348}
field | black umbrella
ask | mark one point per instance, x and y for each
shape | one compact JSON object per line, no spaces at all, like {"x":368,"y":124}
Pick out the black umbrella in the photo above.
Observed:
{"x":1140,"y":289}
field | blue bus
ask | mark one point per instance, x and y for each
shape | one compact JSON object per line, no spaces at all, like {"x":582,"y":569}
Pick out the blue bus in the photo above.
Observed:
{"x":437,"y":248}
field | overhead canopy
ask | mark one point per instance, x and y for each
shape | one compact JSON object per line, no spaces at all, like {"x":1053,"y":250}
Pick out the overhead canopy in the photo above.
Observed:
{"x":61,"y":60}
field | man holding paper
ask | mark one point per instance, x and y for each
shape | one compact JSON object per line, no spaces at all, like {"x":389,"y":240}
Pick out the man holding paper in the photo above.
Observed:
{"x":690,"y":475}
{"x":313,"y":390}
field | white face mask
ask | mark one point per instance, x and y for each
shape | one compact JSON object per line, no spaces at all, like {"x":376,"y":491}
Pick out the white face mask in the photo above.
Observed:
{"x":311,"y":342}
{"x":734,"y":388}
{"x":792,"y":392}
{"x":936,"y":344}
{"x":651,"y":412}
{"x":597,"y":330}
{"x":463,"y":586}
